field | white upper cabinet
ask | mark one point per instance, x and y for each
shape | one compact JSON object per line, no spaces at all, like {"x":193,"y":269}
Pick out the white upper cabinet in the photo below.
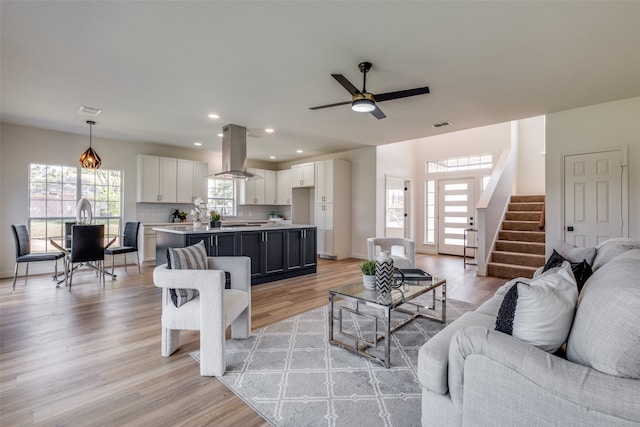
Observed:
{"x":200,"y":180}
{"x":185,"y":181}
{"x":283,"y":194}
{"x":324,"y":181}
{"x":260,"y":190}
{"x":303,"y":175}
{"x":156,"y":179}
{"x":269,"y":178}
{"x":167,"y":180}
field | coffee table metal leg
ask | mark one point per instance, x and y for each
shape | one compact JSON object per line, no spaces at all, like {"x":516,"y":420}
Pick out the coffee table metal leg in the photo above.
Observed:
{"x":330,"y":317}
{"x":387,"y":338}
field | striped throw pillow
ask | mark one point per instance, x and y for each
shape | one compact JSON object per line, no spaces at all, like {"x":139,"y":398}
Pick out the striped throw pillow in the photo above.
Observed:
{"x":193,"y":257}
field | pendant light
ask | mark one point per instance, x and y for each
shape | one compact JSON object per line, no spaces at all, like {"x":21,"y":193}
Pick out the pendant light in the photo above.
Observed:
{"x":90,"y":159}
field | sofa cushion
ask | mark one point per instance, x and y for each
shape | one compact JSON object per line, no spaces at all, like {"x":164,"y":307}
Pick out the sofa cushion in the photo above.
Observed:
{"x":611,"y":248}
{"x":540,"y":311}
{"x":606,"y":330}
{"x":433,"y":356}
{"x":581,"y":270}
{"x":574,"y":253}
{"x":192,"y":257}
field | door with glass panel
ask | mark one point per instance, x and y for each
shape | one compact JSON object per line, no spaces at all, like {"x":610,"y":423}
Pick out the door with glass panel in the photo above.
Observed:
{"x":456,"y":211}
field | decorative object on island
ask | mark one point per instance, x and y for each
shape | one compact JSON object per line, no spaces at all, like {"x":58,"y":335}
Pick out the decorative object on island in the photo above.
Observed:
{"x":182,"y":216}
{"x":198,"y":212}
{"x":368,"y":269}
{"x":215,"y":219}
{"x":384,"y":272}
{"x":90,"y":159}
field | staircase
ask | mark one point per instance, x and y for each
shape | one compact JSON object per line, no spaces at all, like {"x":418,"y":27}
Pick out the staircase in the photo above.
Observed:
{"x":520,"y":248}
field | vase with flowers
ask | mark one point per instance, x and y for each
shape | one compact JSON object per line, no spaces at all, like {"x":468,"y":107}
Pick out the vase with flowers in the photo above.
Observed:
{"x":199,"y":212}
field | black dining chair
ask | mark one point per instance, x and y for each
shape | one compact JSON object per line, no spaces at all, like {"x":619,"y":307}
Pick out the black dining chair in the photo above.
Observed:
{"x":129,"y":244}
{"x":87,"y":249}
{"x":23,"y":253}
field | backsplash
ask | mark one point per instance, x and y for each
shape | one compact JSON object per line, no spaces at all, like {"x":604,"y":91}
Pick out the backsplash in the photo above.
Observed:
{"x":159,"y":212}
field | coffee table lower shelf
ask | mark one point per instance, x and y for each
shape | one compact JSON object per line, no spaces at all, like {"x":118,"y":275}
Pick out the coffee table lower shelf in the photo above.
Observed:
{"x":380,"y":318}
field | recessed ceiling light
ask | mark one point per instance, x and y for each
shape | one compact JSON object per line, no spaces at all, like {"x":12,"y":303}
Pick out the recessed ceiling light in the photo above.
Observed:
{"x":220,"y":135}
{"x":214,"y":116}
{"x":299,"y":151}
{"x":272,"y":157}
{"x":198,"y":143}
{"x":439,"y":125}
{"x":269,"y":130}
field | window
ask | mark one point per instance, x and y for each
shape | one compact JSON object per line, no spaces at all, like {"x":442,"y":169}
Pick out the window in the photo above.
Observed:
{"x":430,"y":229}
{"x":222,"y":196}
{"x":476,"y":161}
{"x":395,"y":208}
{"x":54,"y":192}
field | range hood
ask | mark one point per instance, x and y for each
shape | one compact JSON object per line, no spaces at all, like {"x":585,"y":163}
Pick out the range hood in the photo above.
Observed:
{"x":234,"y":153}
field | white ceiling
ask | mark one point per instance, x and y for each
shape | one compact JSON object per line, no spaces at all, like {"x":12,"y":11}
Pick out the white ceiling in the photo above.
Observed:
{"x":158,"y":68}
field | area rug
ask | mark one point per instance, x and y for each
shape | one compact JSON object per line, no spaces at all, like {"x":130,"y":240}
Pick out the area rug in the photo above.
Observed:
{"x":292,"y":376}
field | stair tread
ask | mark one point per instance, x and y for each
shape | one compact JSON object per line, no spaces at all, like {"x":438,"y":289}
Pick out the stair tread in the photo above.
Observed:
{"x":520,"y":254}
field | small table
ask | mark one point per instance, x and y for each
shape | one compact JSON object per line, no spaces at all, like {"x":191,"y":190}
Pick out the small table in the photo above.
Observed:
{"x":357,"y":294}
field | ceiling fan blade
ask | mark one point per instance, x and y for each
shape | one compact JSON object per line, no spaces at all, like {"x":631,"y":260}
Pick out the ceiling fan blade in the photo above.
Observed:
{"x":401,"y":94}
{"x":378,"y":114}
{"x":345,"y":83}
{"x":330,"y":105}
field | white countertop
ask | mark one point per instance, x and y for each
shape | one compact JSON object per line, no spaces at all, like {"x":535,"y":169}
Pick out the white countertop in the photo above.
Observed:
{"x":187,"y":228}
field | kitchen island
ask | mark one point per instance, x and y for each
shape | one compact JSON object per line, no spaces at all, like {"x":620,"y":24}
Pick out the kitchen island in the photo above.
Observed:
{"x":276,"y":251}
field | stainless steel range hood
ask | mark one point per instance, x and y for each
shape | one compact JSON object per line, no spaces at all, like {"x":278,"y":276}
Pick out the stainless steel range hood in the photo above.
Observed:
{"x":234,"y":153}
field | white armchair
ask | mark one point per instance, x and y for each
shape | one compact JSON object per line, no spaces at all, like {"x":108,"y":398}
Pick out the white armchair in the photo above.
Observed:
{"x":403,"y":251}
{"x":211,"y":312}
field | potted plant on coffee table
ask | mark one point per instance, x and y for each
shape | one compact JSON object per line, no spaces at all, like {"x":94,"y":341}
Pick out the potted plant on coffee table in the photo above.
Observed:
{"x":368,"y":269}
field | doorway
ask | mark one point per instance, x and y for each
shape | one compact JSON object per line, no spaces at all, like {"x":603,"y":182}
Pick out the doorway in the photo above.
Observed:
{"x":396,"y":218}
{"x":595,"y":197}
{"x":456,"y":210}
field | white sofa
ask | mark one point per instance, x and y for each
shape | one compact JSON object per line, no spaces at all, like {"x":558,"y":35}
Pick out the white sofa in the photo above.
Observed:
{"x":473,"y":375}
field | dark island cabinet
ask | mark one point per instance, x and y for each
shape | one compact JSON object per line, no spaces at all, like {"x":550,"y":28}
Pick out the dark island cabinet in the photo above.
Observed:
{"x":219,"y":244}
{"x":266,"y":249}
{"x":275,"y":254}
{"x":301,"y":245}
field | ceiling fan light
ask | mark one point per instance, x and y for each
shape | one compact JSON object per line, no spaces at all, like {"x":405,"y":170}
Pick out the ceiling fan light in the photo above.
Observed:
{"x":363,"y":105}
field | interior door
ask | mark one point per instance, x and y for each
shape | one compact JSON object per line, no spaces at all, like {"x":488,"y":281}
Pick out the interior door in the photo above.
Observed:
{"x":594,"y":197}
{"x":396,"y":207}
{"x":456,"y":210}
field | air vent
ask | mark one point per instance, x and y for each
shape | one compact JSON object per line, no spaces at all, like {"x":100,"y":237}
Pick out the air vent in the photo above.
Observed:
{"x":439,"y":125}
{"x":89,"y":111}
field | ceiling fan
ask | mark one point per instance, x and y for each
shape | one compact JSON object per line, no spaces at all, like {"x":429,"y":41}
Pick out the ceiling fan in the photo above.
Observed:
{"x":365,"y":102}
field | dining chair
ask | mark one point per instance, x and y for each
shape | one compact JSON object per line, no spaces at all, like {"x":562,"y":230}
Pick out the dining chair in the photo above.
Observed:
{"x":402,"y":250}
{"x":129,"y":244}
{"x":24,"y":255}
{"x":87,"y":249}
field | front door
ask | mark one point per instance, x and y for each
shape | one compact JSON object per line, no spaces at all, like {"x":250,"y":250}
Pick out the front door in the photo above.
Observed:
{"x":456,"y":210}
{"x":594,"y":197}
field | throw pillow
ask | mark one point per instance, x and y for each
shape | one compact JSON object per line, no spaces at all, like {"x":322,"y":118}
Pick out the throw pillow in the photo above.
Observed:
{"x":540,"y":311}
{"x":581,"y":270}
{"x":192,"y":257}
{"x":574,"y":253}
{"x":555,"y":260}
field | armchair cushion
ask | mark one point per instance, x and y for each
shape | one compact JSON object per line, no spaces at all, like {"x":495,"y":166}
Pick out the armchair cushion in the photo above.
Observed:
{"x":192,"y":257}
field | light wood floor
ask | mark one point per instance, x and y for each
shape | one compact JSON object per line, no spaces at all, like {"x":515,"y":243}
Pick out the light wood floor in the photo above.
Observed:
{"x":92,"y":356}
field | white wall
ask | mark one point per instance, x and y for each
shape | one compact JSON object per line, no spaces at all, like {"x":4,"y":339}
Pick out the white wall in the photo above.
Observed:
{"x":23,"y":145}
{"x":530,"y":173}
{"x":608,"y":125}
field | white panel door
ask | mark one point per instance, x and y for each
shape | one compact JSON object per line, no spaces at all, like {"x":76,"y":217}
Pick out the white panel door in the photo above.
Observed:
{"x":456,"y":210}
{"x":593,"y":198}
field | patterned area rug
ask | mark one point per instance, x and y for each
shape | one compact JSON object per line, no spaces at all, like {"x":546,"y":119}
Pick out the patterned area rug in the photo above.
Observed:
{"x":292,"y":376}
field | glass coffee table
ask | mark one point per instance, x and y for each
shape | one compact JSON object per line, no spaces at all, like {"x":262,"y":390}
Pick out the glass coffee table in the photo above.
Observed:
{"x":361,"y":341}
